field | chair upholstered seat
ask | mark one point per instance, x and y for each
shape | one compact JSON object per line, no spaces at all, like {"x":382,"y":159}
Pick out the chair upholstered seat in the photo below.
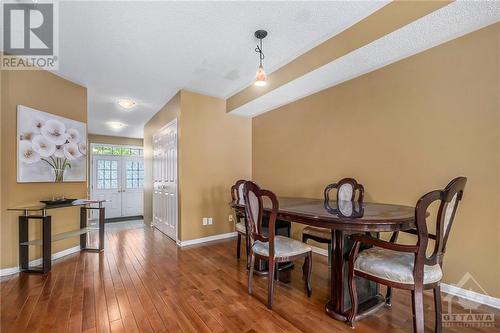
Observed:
{"x":283,"y":247}
{"x":240,"y":227}
{"x":317,"y":232}
{"x":393,"y":266}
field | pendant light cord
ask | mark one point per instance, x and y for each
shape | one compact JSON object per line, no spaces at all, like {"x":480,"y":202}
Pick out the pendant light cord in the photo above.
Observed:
{"x":258,"y":49}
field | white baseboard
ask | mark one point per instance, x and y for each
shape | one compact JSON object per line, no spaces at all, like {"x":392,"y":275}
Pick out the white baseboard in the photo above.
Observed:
{"x":206,"y":239}
{"x":471,"y":295}
{"x":36,"y":262}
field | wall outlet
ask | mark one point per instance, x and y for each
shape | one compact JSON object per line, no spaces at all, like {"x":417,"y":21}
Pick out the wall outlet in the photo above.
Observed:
{"x":205,"y":221}
{"x":210,"y":221}
{"x":230,"y":218}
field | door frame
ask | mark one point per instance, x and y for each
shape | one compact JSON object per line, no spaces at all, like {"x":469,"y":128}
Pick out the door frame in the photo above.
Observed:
{"x":178,"y":199}
{"x":91,"y":164}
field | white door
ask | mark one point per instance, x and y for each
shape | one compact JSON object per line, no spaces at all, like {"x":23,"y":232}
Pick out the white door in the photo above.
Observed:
{"x":165,"y":200}
{"x":132,"y":185}
{"x":107,"y":183}
{"x":118,"y":176}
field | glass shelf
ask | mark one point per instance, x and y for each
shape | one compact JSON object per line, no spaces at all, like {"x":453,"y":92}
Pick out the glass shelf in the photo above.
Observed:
{"x":61,"y":236}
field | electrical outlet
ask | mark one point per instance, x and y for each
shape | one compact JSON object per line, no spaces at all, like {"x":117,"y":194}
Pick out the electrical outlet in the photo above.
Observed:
{"x":231,"y":218}
{"x":205,"y":221}
{"x":210,"y":221}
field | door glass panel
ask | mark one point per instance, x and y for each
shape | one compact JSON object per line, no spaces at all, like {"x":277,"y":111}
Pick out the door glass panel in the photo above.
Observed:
{"x":106,"y":178}
{"x":135,"y":174}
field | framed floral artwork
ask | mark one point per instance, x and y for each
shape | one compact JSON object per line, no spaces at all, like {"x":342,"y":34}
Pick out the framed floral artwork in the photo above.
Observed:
{"x":50,"y":148}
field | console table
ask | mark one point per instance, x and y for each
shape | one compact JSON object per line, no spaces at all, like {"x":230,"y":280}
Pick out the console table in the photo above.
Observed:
{"x":40,"y":212}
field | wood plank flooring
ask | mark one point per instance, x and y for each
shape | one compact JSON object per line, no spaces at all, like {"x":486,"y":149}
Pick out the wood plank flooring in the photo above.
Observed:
{"x":144,"y":283}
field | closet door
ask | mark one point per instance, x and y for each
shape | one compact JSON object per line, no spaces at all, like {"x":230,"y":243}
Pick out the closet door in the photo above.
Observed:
{"x":165,"y":197}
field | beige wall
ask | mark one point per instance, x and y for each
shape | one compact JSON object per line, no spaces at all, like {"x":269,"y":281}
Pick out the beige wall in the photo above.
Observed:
{"x":49,"y":93}
{"x":114,"y":140}
{"x":214,"y":151}
{"x":403,"y":130}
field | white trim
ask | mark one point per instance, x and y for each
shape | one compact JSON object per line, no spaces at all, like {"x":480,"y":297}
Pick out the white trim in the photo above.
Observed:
{"x":471,"y":295}
{"x":206,"y":239}
{"x":36,"y":262}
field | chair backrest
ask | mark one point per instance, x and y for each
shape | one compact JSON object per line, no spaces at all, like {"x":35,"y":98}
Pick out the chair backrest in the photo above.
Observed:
{"x":347,"y":190}
{"x":254,"y":208}
{"x":448,"y":199}
{"x":237,"y":192}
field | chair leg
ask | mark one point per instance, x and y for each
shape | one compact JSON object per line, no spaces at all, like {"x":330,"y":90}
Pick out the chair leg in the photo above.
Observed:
{"x":238,"y":246}
{"x":417,"y":297}
{"x":353,"y":293}
{"x":270,"y":283}
{"x":247,"y":248}
{"x":438,"y":309}
{"x":388,"y":297}
{"x":306,"y":270}
{"x":250,"y":273}
{"x":330,"y":254}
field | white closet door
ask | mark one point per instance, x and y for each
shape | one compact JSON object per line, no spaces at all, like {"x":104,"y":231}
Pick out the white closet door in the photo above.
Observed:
{"x":165,"y":200}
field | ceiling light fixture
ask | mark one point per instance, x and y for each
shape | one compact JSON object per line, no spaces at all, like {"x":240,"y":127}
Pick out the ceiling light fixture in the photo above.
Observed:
{"x":127,"y":103}
{"x":260,"y":76}
{"x":115,"y":125}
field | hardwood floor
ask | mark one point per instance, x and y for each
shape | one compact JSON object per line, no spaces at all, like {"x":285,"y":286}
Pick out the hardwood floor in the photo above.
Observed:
{"x":143,"y":282}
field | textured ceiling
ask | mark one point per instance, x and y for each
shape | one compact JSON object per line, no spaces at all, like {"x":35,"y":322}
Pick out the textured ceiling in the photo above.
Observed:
{"x":147,"y":51}
{"x":452,"y":21}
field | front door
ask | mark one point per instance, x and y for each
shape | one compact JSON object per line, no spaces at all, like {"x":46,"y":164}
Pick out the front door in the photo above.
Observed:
{"x":118,"y":176}
{"x":132,"y":185}
{"x":107,"y":183}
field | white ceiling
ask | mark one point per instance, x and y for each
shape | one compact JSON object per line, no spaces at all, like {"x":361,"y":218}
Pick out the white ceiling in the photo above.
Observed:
{"x":450,"y":22}
{"x":147,"y":51}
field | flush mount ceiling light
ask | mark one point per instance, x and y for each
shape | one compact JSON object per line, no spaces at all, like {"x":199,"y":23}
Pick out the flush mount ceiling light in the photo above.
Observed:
{"x":116,"y":125}
{"x":260,"y":76}
{"x":127,"y":103}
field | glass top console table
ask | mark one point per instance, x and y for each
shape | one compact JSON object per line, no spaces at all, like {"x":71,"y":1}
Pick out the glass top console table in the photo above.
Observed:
{"x":40,"y":212}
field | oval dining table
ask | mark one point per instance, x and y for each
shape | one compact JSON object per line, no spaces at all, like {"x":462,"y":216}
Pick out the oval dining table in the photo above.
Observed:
{"x":344,"y":218}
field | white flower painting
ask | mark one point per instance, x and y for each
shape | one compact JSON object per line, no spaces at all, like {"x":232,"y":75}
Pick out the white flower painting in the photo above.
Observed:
{"x":50,"y":148}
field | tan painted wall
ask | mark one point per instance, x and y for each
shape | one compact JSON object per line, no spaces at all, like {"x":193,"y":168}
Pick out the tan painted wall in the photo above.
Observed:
{"x":46,"y":92}
{"x":170,"y":111}
{"x":403,"y":130}
{"x":214,"y":151}
{"x":114,"y":140}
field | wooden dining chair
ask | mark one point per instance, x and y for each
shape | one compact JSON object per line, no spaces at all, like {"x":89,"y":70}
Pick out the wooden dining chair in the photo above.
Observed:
{"x":408,"y":266}
{"x":239,"y":214}
{"x":271,"y":248}
{"x":348,"y":189}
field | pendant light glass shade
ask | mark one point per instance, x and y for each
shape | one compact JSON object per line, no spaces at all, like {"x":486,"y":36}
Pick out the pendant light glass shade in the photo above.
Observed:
{"x":260,"y":77}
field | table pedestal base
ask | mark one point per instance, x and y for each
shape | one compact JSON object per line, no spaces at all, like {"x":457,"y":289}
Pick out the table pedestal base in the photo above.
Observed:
{"x":365,"y":309}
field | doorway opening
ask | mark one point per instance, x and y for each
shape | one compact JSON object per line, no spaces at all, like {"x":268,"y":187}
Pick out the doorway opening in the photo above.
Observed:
{"x":117,"y":175}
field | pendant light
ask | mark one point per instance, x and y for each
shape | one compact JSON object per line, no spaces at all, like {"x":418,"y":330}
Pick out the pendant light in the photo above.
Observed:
{"x":260,"y":76}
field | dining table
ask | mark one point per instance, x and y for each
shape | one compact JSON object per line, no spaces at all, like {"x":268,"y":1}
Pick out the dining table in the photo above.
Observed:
{"x":345,"y":218}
